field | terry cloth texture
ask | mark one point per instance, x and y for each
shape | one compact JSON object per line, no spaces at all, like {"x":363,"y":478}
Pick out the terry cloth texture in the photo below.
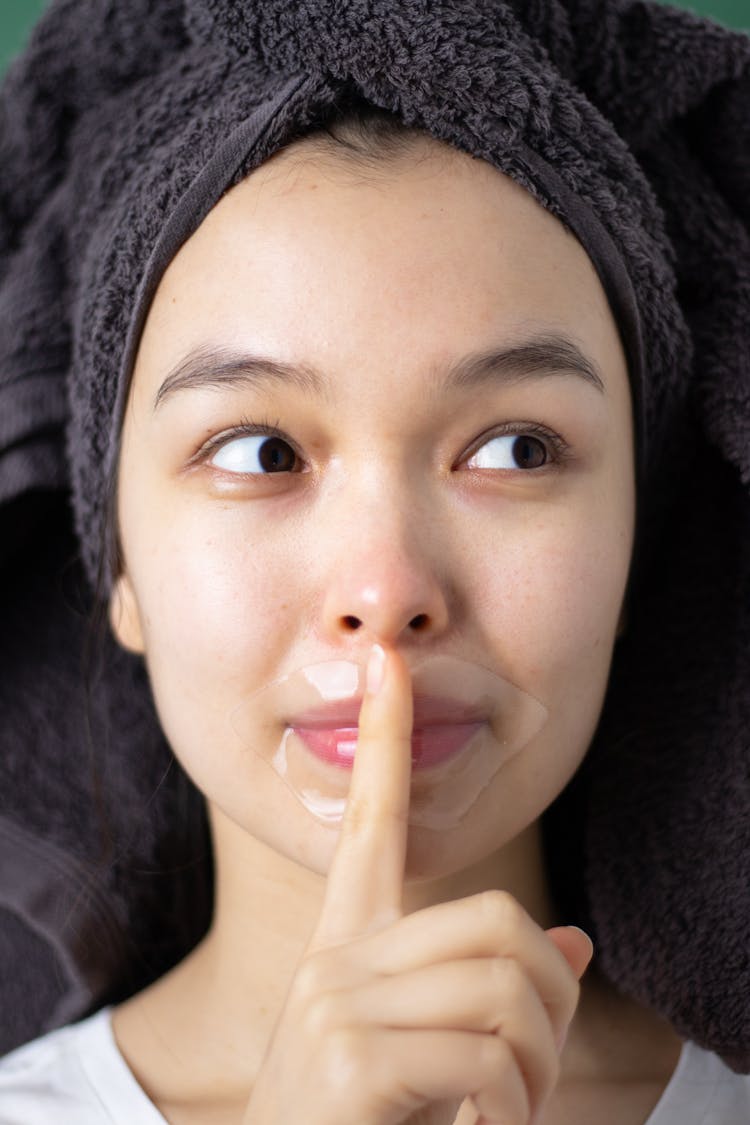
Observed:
{"x":120,"y":127}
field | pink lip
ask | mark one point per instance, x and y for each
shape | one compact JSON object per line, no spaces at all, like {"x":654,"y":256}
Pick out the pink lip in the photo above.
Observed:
{"x":428,"y":711}
{"x":430,"y":744}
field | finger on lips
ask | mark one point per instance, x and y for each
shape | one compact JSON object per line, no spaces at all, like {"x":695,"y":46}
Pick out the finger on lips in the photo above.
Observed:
{"x":364,"y":889}
{"x":478,"y":976}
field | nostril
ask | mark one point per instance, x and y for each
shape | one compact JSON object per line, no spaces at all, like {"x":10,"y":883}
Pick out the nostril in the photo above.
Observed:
{"x":417,"y":624}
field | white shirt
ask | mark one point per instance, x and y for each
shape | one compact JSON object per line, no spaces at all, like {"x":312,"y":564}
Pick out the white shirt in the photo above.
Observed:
{"x":77,"y":1076}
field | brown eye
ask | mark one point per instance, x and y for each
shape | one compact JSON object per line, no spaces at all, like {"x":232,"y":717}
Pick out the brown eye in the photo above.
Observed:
{"x":511,"y":451}
{"x":276,"y":456}
{"x":529,"y":452}
{"x":255,"y":453}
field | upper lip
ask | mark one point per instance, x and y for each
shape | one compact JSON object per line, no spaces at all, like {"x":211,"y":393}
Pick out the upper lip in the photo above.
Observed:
{"x":428,"y":711}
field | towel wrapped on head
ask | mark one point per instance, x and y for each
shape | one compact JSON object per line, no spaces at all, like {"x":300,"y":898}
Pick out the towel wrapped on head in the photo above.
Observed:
{"x":120,"y":128}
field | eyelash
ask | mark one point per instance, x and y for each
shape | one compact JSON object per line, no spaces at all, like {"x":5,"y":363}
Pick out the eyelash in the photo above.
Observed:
{"x":246,"y":428}
{"x":555,"y":444}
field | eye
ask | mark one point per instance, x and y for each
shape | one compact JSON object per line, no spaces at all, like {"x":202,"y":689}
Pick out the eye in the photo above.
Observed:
{"x":255,"y":453}
{"x":511,"y":451}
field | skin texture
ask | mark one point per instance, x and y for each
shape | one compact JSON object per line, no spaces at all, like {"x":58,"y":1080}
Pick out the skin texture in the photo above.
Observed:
{"x":388,"y":531}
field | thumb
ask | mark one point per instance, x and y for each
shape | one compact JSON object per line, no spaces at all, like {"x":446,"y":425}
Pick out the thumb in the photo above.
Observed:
{"x":575,"y":945}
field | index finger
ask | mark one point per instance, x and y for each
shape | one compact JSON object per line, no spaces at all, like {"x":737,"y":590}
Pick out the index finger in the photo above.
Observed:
{"x":365,"y":882}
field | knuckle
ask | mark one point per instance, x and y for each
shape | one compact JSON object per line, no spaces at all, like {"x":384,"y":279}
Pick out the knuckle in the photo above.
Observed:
{"x":500,"y":910}
{"x":310,"y":977}
{"x":511,"y":979}
{"x":495,"y":1055}
{"x":357,"y":816}
{"x":364,"y":816}
{"x":346,"y":1058}
{"x":323,"y":1014}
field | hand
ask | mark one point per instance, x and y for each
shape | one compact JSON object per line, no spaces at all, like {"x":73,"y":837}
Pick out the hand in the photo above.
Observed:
{"x":393,"y":1018}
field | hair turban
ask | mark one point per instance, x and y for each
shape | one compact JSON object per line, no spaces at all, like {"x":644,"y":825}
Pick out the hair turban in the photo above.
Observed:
{"x":120,"y":128}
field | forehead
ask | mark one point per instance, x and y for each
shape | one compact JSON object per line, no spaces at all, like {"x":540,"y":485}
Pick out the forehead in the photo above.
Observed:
{"x":313,"y":258}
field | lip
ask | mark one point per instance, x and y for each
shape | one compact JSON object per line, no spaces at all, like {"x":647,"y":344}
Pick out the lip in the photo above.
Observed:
{"x":428,"y":711}
{"x":431,"y":744}
{"x":469,"y":720}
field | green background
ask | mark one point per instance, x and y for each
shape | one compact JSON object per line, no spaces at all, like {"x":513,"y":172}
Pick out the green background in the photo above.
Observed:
{"x":17,"y":16}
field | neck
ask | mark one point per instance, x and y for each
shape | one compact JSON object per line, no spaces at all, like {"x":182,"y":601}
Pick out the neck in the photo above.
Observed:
{"x":222,"y":1002}
{"x":266,"y":907}
{"x":198,"y":1035}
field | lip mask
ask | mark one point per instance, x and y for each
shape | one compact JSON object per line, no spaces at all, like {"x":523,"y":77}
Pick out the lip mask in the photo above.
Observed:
{"x":490,"y":721}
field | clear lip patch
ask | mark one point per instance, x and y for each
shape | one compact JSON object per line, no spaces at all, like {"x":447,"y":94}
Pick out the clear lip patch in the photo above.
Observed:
{"x":491,"y":720}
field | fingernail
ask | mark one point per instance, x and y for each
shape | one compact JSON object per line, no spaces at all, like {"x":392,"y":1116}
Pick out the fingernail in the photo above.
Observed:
{"x":375,"y":670}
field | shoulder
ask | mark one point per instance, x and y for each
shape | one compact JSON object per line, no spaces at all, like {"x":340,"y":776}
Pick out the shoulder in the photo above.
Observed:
{"x":38,"y":1078}
{"x":76,"y":1075}
{"x":703,"y":1089}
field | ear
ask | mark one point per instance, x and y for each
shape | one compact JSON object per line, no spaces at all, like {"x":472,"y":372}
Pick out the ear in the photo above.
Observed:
{"x":125,"y":617}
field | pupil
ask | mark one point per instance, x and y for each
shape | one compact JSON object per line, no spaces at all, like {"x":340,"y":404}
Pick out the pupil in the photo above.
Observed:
{"x":529,"y":452}
{"x":276,"y":456}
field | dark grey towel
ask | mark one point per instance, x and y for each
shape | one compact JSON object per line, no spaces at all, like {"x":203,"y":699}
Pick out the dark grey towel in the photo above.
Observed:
{"x":119,"y":129}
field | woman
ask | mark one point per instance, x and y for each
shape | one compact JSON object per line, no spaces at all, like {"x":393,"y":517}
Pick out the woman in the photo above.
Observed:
{"x":375,"y":406}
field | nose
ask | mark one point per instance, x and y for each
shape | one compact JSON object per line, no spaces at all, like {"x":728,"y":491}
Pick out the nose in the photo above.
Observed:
{"x":384,"y":584}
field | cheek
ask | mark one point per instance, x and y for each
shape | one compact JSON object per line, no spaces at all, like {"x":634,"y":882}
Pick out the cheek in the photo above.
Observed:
{"x":552,"y":603}
{"x":549,"y":610}
{"x":218,"y":610}
{"x":576,"y":634}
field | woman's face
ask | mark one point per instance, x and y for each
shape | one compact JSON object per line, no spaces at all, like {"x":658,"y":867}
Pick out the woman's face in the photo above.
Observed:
{"x":395,"y":503}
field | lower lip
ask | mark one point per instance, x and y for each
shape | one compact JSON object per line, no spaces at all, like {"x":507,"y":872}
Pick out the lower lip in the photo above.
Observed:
{"x":429,"y":745}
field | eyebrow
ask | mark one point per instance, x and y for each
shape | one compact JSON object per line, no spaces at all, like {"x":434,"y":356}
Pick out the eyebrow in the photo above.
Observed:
{"x":535,"y":356}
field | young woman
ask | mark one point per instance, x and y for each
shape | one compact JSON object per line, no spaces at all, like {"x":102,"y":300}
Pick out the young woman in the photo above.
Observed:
{"x":376,"y":481}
